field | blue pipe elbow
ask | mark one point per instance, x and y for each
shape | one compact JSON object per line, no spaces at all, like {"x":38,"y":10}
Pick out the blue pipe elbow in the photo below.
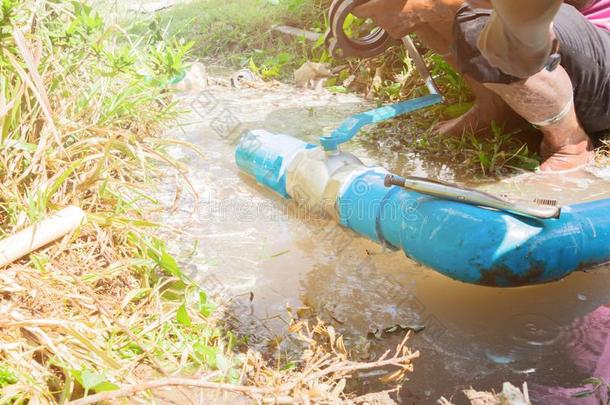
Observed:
{"x":473,"y":244}
{"x":467,"y":243}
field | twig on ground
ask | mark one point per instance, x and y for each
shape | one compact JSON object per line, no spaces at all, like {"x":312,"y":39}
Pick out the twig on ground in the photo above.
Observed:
{"x":284,"y":391}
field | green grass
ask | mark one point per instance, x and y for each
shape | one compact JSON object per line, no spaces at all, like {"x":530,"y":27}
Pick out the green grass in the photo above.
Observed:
{"x":235,"y":32}
{"x":83,"y":104}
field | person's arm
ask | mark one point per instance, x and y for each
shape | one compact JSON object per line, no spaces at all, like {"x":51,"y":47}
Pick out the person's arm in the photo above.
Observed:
{"x":402,"y":17}
{"x":518,"y":37}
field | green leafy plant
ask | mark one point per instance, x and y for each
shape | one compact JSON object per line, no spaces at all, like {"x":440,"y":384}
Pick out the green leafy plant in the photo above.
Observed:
{"x":499,"y":150}
{"x":86,"y":22}
{"x":271,"y":67}
{"x":93,"y":381}
{"x":167,"y":58}
{"x":8,"y":9}
{"x":7,"y":377}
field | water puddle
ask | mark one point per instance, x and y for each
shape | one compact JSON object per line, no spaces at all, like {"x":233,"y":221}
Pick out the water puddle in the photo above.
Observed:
{"x":243,"y":241}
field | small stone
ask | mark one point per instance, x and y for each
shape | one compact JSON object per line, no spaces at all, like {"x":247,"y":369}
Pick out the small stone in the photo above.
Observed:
{"x":196,"y":79}
{"x":312,"y":75}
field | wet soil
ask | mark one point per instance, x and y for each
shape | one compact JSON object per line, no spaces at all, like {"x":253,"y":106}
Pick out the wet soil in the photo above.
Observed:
{"x":243,"y":242}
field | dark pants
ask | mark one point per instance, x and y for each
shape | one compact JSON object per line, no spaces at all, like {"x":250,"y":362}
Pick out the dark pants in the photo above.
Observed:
{"x":585,"y":55}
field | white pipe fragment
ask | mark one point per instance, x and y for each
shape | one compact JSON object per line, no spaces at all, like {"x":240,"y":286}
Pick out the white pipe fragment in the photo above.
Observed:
{"x":297,"y":32}
{"x":36,"y":236}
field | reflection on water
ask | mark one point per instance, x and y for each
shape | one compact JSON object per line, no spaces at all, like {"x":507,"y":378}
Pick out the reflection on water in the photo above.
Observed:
{"x":242,"y":239}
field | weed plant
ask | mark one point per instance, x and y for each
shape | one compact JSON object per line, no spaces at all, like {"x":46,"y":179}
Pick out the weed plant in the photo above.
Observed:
{"x":80,"y":106}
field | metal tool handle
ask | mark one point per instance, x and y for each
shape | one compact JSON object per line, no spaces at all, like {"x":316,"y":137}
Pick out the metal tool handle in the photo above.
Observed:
{"x":350,"y":127}
{"x":420,"y":65}
{"x":452,"y":192}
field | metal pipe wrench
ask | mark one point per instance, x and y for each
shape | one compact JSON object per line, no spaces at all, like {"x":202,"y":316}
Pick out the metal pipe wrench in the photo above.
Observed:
{"x":372,"y":44}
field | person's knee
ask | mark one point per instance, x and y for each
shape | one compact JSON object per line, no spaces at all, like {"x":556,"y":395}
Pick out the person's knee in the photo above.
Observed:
{"x":543,"y":98}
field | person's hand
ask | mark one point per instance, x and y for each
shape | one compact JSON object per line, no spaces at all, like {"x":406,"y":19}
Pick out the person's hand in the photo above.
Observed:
{"x":397,"y":17}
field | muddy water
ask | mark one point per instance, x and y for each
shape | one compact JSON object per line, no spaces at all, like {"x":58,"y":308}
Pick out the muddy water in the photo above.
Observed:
{"x":242,"y":241}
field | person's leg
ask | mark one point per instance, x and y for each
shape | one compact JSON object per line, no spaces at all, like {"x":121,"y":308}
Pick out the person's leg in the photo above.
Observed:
{"x":488,"y":107}
{"x":545,"y":99}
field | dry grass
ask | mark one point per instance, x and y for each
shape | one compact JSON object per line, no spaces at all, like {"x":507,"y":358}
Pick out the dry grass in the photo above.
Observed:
{"x":79,"y":109}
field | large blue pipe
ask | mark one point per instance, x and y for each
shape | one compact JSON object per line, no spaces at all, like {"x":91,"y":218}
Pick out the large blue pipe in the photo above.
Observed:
{"x":467,"y":243}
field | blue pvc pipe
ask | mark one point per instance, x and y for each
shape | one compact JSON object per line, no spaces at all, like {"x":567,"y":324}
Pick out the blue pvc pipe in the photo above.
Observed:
{"x":264,"y":156}
{"x":467,"y":243}
{"x":473,"y":244}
